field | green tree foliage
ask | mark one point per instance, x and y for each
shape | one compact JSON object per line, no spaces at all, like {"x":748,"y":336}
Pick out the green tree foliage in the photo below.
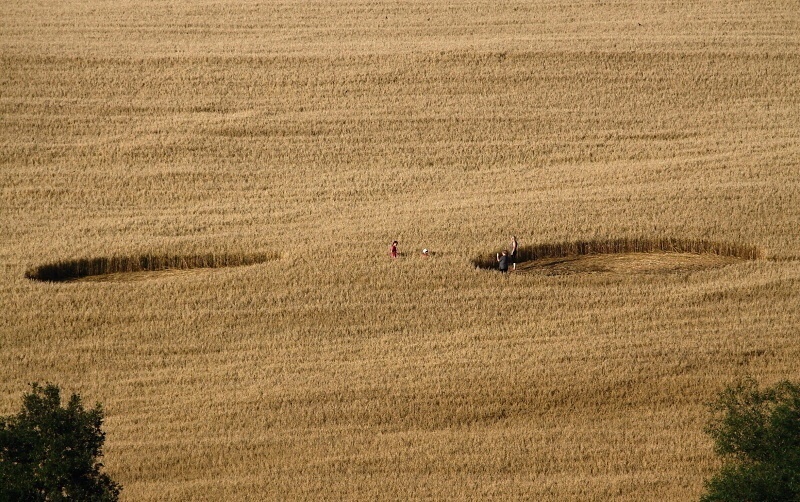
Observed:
{"x":757,"y":432}
{"x":50,"y":453}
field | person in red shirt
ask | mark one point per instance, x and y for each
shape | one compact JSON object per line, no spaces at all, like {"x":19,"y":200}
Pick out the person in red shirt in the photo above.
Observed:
{"x":393,"y":249}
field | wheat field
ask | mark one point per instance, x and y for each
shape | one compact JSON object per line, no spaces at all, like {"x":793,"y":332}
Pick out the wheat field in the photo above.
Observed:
{"x":316,"y":133}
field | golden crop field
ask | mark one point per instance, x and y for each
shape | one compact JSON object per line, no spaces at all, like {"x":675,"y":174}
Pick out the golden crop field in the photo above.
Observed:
{"x":315,"y":133}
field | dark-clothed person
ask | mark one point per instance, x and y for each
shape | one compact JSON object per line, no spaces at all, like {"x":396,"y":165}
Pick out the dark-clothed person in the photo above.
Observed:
{"x":502,"y":261}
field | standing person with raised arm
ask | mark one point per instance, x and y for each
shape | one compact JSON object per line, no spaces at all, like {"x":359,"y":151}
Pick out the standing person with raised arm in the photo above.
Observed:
{"x":514,"y":249}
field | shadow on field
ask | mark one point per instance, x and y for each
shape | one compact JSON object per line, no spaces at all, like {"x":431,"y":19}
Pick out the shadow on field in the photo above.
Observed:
{"x":71,"y":270}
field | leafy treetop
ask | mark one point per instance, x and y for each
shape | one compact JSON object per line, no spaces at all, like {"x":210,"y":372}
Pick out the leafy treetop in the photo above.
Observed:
{"x":757,"y":432}
{"x":50,"y":453}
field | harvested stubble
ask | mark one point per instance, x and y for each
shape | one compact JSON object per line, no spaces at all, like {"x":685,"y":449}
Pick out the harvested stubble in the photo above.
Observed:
{"x":627,"y":245}
{"x":67,"y":270}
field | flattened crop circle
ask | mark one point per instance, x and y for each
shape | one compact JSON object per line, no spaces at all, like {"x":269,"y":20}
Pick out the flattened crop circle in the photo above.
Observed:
{"x":120,"y":266}
{"x":625,"y":256}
